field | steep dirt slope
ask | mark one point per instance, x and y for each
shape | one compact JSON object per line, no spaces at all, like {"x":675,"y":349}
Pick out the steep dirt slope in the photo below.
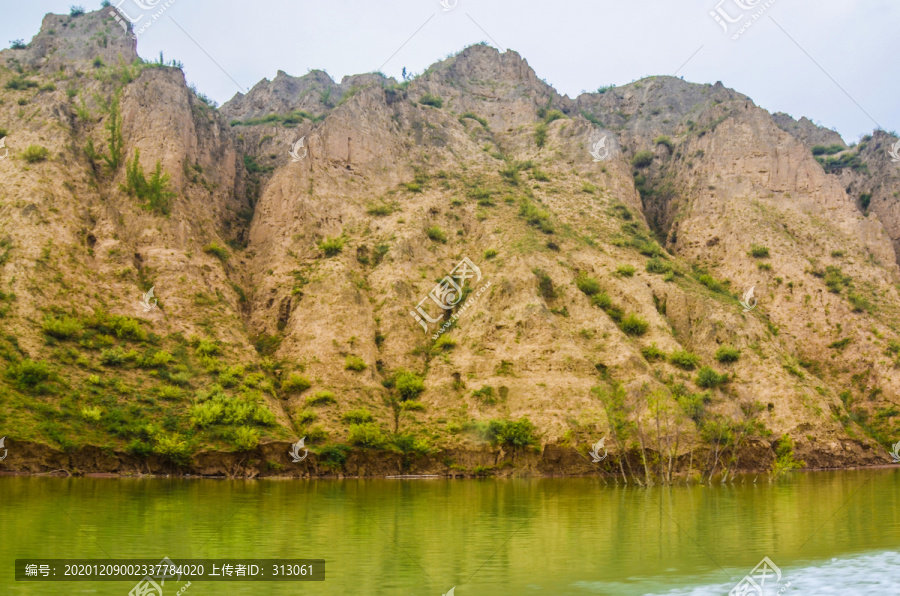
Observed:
{"x":605,"y":301}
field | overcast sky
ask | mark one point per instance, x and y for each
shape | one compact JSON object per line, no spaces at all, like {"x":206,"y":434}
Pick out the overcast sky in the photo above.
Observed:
{"x":835,"y":62}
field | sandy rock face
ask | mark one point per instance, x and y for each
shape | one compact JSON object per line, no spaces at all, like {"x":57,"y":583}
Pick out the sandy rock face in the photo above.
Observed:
{"x":606,"y":292}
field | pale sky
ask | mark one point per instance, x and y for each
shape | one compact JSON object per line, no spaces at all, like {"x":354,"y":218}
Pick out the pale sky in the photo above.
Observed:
{"x":815,"y":59}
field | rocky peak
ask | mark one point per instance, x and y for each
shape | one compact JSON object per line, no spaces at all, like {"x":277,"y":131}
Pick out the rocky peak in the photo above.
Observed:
{"x":807,"y":132}
{"x":66,"y":42}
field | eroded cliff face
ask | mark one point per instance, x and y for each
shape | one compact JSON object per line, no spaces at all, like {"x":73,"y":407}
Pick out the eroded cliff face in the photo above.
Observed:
{"x":286,"y":282}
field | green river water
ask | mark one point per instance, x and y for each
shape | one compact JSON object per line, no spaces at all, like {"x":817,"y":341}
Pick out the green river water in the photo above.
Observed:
{"x":828,"y":532}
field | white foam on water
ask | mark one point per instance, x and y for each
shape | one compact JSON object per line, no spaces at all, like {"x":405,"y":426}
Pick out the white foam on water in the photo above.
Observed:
{"x":875,"y":574}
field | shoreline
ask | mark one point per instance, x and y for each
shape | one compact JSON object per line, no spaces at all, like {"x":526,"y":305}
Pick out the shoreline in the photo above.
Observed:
{"x":272,"y":460}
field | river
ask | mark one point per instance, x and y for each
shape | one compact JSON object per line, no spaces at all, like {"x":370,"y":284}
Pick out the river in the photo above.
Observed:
{"x":826,"y":532}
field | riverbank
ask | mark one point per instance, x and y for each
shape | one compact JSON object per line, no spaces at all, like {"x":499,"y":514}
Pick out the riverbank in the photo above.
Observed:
{"x":274,"y":460}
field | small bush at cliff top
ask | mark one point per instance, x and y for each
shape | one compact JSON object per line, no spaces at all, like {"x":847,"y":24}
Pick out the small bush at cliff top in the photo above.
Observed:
{"x":35,"y":154}
{"x":76,"y":11}
{"x":331,"y":246}
{"x":727,"y":354}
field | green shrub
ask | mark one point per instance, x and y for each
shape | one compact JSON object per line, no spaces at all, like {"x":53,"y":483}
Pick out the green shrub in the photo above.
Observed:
{"x":758,"y":251}
{"x":784,"y":456}
{"x":642,"y":159}
{"x":515,"y":434}
{"x":545,"y":284}
{"x":331,"y":246}
{"x":76,"y":11}
{"x":295,"y":383}
{"x":709,"y":378}
{"x":306,"y":417}
{"x":214,"y":406}
{"x":657,"y":265}
{"x":245,"y":438}
{"x":92,"y":413}
{"x":29,"y":375}
{"x":35,"y":153}
{"x":587,"y":284}
{"x":159,"y":359}
{"x":490,"y":253}
{"x":540,"y":134}
{"x":17,"y":44}
{"x":712,"y":283}
{"x":431,"y":100}
{"x":62,"y":327}
{"x":380,"y":210}
{"x":860,"y":303}
{"x":634,"y":325}
{"x":112,"y":357}
{"x":625,"y":270}
{"x":535,"y":216}
{"x":332,"y":457}
{"x":829,"y":150}
{"x":154,"y":193}
{"x":553,"y":115}
{"x":664,"y":140}
{"x":436,"y":234}
{"x":602,"y":300}
{"x":476,"y":118}
{"x":840,"y":344}
{"x":217,"y":251}
{"x":358,"y":416}
{"x":727,"y":354}
{"x":321,"y":398}
{"x":683,"y":359}
{"x":485,"y":395}
{"x":836,"y":280}
{"x":408,"y":384}
{"x":368,"y":434}
{"x":173,"y":448}
{"x":444,"y":343}
{"x":206,"y":347}
{"x":652,"y":352}
{"x":354,"y":363}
